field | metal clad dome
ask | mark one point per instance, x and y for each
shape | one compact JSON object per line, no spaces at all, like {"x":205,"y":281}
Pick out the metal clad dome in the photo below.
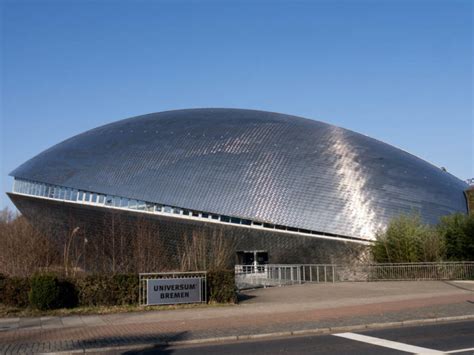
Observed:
{"x":263,"y":166}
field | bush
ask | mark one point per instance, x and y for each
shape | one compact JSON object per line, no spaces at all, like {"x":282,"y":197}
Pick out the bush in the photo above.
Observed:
{"x":15,"y":292}
{"x":458,"y":232}
{"x":120,"y":289}
{"x":45,"y":292}
{"x":2,"y":286}
{"x":221,"y":286}
{"x":68,"y":297}
{"x":408,"y":240}
{"x":126,"y":288}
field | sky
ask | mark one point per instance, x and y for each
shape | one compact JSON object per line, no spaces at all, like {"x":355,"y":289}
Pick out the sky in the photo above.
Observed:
{"x":399,"y":71}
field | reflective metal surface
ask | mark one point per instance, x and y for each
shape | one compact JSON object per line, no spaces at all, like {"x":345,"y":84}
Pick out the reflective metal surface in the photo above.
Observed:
{"x":264,"y":166}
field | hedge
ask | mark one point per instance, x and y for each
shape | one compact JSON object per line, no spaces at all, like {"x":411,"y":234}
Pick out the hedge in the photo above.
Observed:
{"x":14,"y":292}
{"x":47,"y":291}
{"x":221,"y":286}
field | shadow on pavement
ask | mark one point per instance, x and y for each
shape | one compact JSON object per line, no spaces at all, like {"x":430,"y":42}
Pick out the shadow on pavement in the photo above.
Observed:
{"x":159,"y":348}
{"x":242,"y":297}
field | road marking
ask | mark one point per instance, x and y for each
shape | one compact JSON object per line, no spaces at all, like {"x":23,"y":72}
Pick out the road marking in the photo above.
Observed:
{"x":458,"y":351}
{"x":388,"y":344}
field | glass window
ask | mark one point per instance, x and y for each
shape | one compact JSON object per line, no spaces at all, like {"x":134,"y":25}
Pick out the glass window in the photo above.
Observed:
{"x":158,"y":208}
{"x":94,"y":198}
{"x":87,"y":196}
{"x":149,"y":207}
{"x":205,"y":215}
{"x":133,"y":204}
{"x":195,"y":214}
{"x":108,"y":200}
{"x":215,"y":216}
{"x":57,"y":191}
{"x":67,"y":196}
{"x":74,"y":195}
{"x":124,"y":202}
{"x":167,"y":209}
{"x":101,"y":199}
{"x":247,"y":222}
{"x":177,"y":210}
{"x":141,"y":205}
{"x":225,"y":219}
{"x":116,"y":201}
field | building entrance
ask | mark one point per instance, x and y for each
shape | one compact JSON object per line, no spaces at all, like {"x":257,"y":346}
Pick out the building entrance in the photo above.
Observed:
{"x":252,"y":257}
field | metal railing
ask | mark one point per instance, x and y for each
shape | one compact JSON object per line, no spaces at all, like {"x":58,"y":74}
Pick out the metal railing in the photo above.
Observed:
{"x":249,"y":276}
{"x":144,"y":277}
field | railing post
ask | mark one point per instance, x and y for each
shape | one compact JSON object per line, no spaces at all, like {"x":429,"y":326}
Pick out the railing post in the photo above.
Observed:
{"x":325,"y":274}
{"x":333,"y":273}
{"x":310,"y":273}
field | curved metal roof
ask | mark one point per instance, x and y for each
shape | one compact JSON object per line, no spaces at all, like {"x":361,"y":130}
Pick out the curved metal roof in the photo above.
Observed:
{"x":258,"y":165}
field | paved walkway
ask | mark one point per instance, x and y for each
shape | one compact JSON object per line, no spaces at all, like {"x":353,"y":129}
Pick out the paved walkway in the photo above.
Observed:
{"x":282,"y":309}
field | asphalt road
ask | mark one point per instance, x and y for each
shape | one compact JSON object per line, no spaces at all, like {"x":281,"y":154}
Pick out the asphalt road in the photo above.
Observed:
{"x":456,"y":338}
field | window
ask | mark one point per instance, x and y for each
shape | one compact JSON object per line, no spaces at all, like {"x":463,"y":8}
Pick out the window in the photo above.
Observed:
{"x":101,"y":199}
{"x":149,"y":207}
{"x":167,"y":209}
{"x":108,"y":200}
{"x":225,"y":219}
{"x":57,"y":191}
{"x":87,"y":197}
{"x":124,"y":202}
{"x":116,"y":201}
{"x":74,"y":195}
{"x":94,"y":198}
{"x":158,"y":208}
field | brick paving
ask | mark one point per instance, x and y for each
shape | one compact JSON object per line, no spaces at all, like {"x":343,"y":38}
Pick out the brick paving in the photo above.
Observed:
{"x":264,"y":311}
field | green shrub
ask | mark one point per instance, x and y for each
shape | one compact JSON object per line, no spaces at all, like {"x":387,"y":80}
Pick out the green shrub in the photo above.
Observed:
{"x":407,"y":240}
{"x":45,"y":292}
{"x":107,"y":290}
{"x":126,"y":288}
{"x":458,"y":232}
{"x":15,"y":291}
{"x":221,"y":286}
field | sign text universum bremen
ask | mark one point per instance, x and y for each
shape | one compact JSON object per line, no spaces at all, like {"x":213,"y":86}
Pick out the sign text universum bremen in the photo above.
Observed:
{"x":173,"y":291}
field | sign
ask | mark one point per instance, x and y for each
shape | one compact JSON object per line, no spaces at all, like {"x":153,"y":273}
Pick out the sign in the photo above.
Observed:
{"x":173,"y":291}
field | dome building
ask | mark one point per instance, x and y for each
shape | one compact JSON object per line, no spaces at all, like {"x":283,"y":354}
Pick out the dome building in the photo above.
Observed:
{"x":294,"y":189}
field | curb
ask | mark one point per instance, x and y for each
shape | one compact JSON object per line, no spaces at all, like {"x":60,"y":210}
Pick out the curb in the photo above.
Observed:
{"x":233,"y":338}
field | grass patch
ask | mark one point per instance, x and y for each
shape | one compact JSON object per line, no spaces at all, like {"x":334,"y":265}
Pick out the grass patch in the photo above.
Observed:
{"x":8,"y":311}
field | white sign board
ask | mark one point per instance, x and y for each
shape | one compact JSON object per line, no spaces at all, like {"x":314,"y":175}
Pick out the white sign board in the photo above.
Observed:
{"x":173,"y":291}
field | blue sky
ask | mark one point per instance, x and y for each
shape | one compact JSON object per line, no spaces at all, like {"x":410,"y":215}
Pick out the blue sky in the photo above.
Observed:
{"x":399,"y":71}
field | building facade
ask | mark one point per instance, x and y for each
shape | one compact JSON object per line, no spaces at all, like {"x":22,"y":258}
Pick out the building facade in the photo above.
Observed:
{"x":294,"y":189}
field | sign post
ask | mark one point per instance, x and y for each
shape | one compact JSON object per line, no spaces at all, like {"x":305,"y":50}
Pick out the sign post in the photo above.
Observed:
{"x":172,"y":288}
{"x":173,"y":291}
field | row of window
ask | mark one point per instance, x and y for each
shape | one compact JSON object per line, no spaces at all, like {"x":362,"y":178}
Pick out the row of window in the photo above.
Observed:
{"x":92,"y":198}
